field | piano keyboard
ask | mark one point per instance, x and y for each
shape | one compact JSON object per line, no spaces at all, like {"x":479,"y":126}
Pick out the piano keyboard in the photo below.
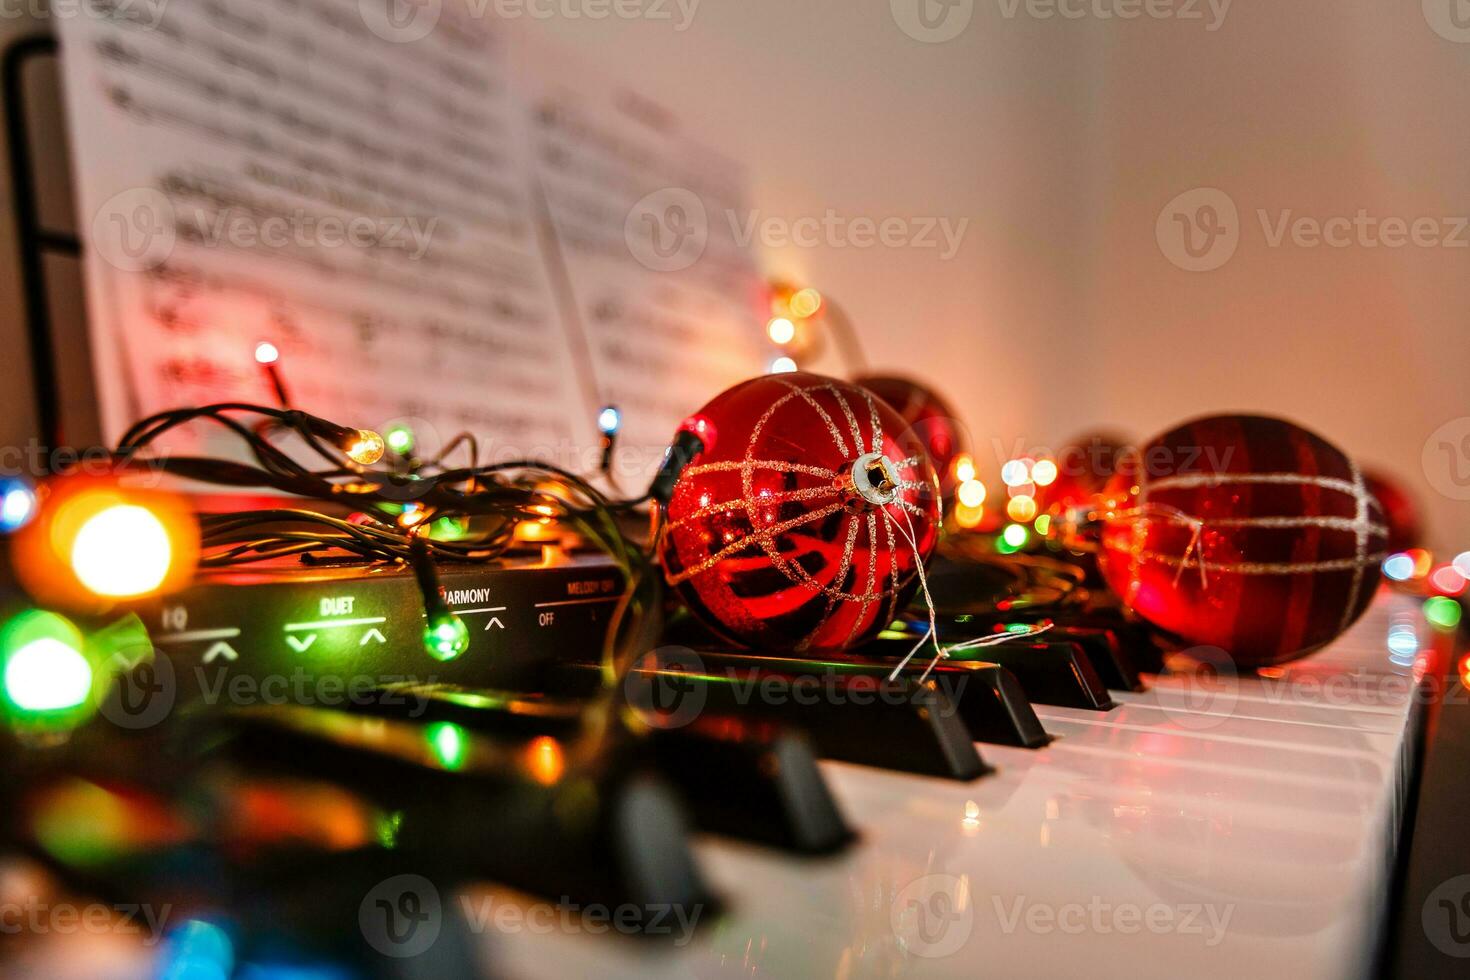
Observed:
{"x":1222,"y":827}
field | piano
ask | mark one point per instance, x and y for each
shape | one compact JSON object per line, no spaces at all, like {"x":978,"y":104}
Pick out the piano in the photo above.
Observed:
{"x":1207,"y":826}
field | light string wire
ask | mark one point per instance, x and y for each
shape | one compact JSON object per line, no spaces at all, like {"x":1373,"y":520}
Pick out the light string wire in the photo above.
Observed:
{"x":497,"y":497}
{"x":942,"y":652}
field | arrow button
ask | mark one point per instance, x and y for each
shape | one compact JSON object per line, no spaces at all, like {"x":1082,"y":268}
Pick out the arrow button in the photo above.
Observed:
{"x":494,"y":621}
{"x":372,"y":634}
{"x":220,"y":649}
{"x":301,"y":644}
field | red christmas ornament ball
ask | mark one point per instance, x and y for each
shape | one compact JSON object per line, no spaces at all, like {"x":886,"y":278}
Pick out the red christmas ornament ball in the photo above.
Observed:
{"x":789,"y":530}
{"x":926,"y":413}
{"x":1400,"y":511}
{"x":1246,"y":533}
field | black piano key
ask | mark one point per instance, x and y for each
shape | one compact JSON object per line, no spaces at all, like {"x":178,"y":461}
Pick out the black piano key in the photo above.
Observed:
{"x":757,"y":782}
{"x":754,"y":782}
{"x":993,"y":706}
{"x":1108,"y":656}
{"x":900,"y":725}
{"x":1049,"y":671}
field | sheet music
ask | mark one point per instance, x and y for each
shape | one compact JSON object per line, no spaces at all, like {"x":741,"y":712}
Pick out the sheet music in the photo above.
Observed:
{"x":275,"y":171}
{"x":668,"y":301}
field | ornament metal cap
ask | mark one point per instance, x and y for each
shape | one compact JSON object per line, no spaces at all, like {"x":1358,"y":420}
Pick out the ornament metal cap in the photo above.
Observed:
{"x":874,"y":477}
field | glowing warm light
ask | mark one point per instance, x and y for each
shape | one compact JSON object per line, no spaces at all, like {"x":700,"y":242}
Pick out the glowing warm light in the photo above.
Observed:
{"x":968,"y":518}
{"x":1442,"y":612}
{"x":399,"y":438}
{"x":783,"y":365}
{"x":93,"y":537}
{"x":806,"y":302}
{"x":1447,"y":580}
{"x":609,"y":420}
{"x":266,"y":353}
{"x":781,"y":331}
{"x":449,"y":743}
{"x":413,"y":515}
{"x":446,"y":637}
{"x":1422,"y":561}
{"x":17,"y":505}
{"x":122,"y":551}
{"x":971,"y":493}
{"x":971,"y":820}
{"x":366,"y":447}
{"x":1021,"y":509}
{"x":964,"y":468}
{"x":47,"y":675}
{"x":1399,"y":567}
{"x":1014,"y":473}
{"x":545,"y":760}
{"x":1044,"y":473}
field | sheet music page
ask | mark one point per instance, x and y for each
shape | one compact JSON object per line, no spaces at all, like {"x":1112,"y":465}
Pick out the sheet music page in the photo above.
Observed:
{"x":277,"y":171}
{"x":668,"y":302}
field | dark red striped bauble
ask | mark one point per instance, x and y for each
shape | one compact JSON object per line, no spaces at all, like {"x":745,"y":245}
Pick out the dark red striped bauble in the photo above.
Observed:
{"x":790,"y":529}
{"x":1246,"y":533}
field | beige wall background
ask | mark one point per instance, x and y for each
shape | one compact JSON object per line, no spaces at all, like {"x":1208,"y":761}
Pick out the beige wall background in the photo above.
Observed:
{"x":1061,"y":134}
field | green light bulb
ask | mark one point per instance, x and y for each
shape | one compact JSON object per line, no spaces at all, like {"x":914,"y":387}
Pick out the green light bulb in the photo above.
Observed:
{"x":400,"y":439}
{"x":449,"y":743}
{"x":46,"y":677}
{"x":446,"y":637}
{"x":1442,"y":612}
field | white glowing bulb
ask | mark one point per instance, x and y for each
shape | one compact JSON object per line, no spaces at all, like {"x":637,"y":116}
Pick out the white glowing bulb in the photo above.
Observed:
{"x":266,"y":353}
{"x":781,"y":331}
{"x":972,"y":493}
{"x":122,"y":551}
{"x":783,"y":365}
{"x":47,"y":675}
